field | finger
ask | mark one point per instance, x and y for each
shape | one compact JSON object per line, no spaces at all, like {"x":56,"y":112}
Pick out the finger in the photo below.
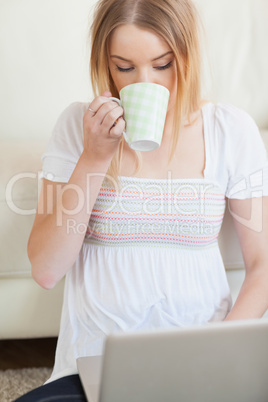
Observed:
{"x":96,"y":104}
{"x":103,"y":120}
{"x":98,"y":115}
{"x":107,"y":94}
{"x":107,"y":114}
{"x":112,"y":116}
{"x":118,"y":128}
{"x":91,"y":111}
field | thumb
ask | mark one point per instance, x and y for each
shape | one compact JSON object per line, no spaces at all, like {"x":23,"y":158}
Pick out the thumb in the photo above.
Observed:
{"x":107,"y":94}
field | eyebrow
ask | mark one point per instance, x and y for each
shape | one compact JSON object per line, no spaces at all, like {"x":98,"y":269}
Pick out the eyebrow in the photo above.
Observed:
{"x":130,"y":61}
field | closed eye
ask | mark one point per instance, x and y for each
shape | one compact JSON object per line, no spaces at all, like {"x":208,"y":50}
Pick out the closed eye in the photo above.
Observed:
{"x":165,"y":66}
{"x":124,"y":70}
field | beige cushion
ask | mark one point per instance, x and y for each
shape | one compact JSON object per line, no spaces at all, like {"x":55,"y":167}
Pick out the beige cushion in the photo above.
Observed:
{"x":235,"y":54}
{"x":20,"y":163}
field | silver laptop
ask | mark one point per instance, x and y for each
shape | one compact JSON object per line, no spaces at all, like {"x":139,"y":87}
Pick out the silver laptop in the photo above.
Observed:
{"x":213,"y":363}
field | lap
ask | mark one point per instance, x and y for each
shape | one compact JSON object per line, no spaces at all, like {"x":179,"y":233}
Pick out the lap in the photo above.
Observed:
{"x":64,"y":389}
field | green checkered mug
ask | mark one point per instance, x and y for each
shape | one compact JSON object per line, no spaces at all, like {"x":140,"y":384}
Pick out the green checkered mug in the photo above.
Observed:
{"x":145,"y":107}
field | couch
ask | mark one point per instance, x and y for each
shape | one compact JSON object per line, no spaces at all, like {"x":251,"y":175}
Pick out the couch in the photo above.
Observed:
{"x":44,"y":67}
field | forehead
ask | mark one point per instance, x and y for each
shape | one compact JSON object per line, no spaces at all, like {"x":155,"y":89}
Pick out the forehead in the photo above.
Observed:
{"x":132,"y":39}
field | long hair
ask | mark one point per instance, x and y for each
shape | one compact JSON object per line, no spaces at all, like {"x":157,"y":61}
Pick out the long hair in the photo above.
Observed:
{"x":177,"y":23}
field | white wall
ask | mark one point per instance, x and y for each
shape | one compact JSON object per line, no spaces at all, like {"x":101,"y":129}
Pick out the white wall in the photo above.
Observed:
{"x":44,"y":59}
{"x":44,"y":63}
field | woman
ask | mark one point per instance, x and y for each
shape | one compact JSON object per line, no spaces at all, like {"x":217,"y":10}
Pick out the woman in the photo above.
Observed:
{"x":136,"y":234}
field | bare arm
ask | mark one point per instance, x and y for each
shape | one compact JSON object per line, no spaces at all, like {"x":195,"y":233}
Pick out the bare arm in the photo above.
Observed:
{"x":251,"y":223}
{"x":54,"y":244}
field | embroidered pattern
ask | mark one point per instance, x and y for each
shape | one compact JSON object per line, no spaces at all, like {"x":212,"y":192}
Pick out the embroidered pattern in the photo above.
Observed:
{"x":171,"y":213}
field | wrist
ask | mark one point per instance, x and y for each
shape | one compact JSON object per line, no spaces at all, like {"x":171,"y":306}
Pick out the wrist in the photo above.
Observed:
{"x":95,"y":164}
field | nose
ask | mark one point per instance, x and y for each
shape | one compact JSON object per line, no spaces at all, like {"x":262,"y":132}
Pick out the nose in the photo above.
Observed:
{"x":143,"y":75}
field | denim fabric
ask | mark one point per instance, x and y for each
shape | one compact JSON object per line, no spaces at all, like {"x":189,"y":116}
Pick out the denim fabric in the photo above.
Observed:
{"x":64,"y":389}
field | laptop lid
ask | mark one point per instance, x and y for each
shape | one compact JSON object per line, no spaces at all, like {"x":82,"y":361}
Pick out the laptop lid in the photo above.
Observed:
{"x":89,"y":369}
{"x":211,"y":363}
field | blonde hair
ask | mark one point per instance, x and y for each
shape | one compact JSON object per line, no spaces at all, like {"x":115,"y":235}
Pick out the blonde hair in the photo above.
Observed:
{"x":177,"y":23}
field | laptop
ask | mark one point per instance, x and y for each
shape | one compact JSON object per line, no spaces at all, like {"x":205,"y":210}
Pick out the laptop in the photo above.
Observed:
{"x":217,"y":362}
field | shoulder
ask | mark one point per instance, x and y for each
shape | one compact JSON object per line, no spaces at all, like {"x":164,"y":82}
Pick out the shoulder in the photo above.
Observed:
{"x":75,"y":109}
{"x":67,"y":136}
{"x":234,"y":123}
{"x":235,"y":147}
{"x":227,"y":117}
{"x":66,"y":144}
{"x":233,"y":129}
{"x":69,"y":126}
{"x":73,"y":114}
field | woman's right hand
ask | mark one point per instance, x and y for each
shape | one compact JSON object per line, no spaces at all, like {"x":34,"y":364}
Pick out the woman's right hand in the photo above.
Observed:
{"x":103,"y":125}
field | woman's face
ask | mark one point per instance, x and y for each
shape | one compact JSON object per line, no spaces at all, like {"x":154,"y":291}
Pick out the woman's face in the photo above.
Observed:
{"x":139,"y":55}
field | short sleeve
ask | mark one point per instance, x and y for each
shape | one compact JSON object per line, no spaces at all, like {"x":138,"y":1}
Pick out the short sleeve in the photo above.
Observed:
{"x":66,"y":144}
{"x":245,"y":154}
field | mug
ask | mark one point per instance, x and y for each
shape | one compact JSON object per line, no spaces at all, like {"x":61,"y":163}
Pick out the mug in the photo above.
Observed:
{"x":145,"y":108}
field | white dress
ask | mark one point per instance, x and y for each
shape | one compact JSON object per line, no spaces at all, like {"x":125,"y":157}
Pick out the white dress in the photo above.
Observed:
{"x":150,"y":257}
